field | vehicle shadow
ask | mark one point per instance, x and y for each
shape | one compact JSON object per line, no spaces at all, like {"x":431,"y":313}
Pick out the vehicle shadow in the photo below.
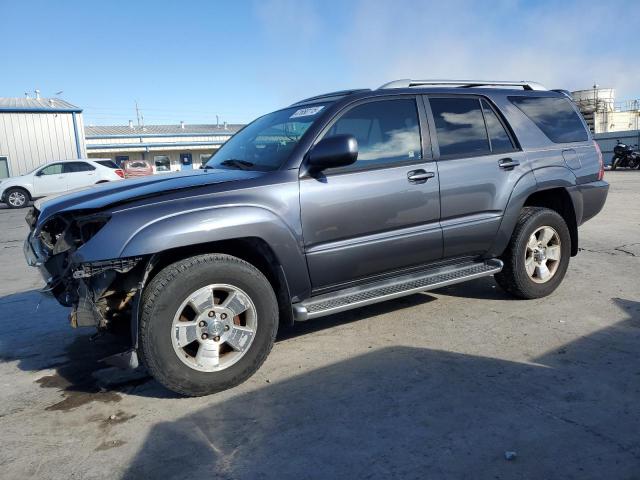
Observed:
{"x":35,"y":333}
{"x":404,"y":412}
{"x":484,"y":288}
{"x":342,"y":318}
{"x":76,"y":356}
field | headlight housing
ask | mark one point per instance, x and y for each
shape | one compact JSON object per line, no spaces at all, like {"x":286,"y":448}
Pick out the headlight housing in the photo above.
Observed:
{"x":62,"y":233}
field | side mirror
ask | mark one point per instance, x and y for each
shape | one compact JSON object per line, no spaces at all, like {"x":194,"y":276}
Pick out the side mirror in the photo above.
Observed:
{"x":334,"y":151}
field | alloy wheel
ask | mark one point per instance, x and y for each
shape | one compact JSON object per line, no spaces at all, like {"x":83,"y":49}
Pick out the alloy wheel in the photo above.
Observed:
{"x":214,"y":327}
{"x":542,"y":255}
{"x":17,"y":198}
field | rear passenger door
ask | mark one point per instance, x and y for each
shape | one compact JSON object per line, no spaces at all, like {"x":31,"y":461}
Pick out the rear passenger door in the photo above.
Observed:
{"x":479,"y":164}
{"x":79,"y":174}
{"x":381,"y":213}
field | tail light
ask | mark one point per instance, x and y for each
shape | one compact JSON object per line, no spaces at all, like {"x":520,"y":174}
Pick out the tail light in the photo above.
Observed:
{"x":120,"y":172}
{"x":600,"y":160}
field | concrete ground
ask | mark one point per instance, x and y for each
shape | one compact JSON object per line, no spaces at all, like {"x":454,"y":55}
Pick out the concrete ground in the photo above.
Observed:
{"x":436,"y":385}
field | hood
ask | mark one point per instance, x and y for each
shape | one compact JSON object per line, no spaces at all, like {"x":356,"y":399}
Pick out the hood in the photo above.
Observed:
{"x":107,"y":194}
{"x":18,"y":179}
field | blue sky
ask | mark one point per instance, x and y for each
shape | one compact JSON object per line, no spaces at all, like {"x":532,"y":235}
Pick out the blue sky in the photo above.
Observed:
{"x":193,"y":60}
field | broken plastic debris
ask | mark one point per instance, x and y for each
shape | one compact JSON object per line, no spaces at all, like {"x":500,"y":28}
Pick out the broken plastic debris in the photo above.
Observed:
{"x":509,"y":455}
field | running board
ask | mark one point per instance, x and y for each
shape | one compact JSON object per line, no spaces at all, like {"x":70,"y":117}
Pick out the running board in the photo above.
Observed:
{"x":395,"y":287}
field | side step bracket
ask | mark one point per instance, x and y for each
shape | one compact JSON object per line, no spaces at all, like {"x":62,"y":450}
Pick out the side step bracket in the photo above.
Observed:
{"x":367,"y":294}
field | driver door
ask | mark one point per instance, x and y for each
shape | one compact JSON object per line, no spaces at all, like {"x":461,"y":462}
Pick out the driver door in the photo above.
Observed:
{"x":49,"y":180}
{"x":380,"y":214}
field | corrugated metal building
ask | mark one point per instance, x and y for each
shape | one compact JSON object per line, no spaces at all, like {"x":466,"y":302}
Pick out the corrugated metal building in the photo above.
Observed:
{"x":166,"y":147}
{"x":34,"y":131}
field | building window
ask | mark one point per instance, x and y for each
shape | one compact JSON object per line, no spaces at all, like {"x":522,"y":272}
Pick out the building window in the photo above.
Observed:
{"x":162,"y":163}
{"x":4,"y":167}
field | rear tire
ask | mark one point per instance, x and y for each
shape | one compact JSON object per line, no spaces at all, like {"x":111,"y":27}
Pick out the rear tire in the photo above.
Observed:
{"x":17,"y":197}
{"x":537,"y":256}
{"x":177,"y":303}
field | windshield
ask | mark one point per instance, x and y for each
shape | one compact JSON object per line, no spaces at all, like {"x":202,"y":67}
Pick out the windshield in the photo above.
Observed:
{"x":266,"y":143}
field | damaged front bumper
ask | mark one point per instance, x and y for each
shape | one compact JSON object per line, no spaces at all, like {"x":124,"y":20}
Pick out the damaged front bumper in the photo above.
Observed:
{"x":100,"y":293}
{"x":37,"y":261}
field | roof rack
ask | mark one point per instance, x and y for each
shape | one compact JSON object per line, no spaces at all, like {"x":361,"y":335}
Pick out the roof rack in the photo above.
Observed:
{"x":339,"y":93}
{"x":407,"y":83}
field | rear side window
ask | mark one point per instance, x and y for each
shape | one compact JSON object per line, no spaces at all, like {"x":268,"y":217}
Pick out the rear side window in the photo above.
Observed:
{"x":459,"y":126}
{"x":388,"y":132}
{"x":137,"y":165}
{"x":498,"y":136}
{"x":555,"y":116}
{"x":107,"y":163}
{"x":75,"y":167}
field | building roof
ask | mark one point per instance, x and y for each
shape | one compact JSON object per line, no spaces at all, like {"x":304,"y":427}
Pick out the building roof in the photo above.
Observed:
{"x":24,"y":104}
{"x":123,"y":131}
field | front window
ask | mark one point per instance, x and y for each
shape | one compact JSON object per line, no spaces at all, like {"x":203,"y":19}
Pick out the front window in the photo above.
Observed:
{"x":387,"y":131}
{"x":266,"y":143}
{"x":205,"y":157}
{"x":55,"y":169}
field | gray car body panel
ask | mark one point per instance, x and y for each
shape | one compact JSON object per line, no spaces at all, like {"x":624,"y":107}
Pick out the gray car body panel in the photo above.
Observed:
{"x":263,"y":206}
{"x":347,"y":227}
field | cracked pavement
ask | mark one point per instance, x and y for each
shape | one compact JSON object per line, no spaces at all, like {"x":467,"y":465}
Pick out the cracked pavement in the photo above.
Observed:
{"x":436,"y":385}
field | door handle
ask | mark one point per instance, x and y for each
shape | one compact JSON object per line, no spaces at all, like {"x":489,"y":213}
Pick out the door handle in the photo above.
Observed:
{"x":508,"y":163}
{"x":420,"y":175}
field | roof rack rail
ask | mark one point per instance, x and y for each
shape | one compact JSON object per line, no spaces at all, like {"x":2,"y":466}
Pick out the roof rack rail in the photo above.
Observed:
{"x":339,"y":93}
{"x":407,"y":83}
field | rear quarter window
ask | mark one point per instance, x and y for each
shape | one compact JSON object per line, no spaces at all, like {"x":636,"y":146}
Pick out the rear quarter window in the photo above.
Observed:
{"x":555,"y":116}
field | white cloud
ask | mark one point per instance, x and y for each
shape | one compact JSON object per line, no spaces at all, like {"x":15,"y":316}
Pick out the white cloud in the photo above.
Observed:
{"x":563,"y":45}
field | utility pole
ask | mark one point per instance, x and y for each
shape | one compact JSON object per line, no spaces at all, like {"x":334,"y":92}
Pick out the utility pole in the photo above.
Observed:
{"x":595,"y":105}
{"x":137,"y":113}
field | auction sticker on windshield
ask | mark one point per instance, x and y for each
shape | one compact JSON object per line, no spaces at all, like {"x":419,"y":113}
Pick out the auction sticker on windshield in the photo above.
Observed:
{"x":306,"y":112}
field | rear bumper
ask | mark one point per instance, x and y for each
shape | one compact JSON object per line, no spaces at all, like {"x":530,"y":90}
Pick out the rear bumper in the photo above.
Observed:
{"x":594,"y":195}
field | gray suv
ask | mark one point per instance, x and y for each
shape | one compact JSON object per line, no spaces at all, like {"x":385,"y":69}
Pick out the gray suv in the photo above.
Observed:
{"x":338,"y":201}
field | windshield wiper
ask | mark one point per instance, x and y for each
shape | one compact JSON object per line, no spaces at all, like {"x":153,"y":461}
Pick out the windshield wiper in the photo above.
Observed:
{"x":234,"y":162}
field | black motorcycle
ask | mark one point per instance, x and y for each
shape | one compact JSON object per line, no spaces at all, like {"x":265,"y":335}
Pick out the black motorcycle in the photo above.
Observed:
{"x":624,"y":156}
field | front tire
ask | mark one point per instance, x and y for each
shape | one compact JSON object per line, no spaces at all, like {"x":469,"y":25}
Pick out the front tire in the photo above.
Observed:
{"x":537,"y":256}
{"x":208,"y":322}
{"x":17,"y":198}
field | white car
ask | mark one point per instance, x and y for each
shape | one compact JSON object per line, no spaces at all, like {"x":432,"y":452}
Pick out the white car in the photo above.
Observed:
{"x":55,"y":178}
